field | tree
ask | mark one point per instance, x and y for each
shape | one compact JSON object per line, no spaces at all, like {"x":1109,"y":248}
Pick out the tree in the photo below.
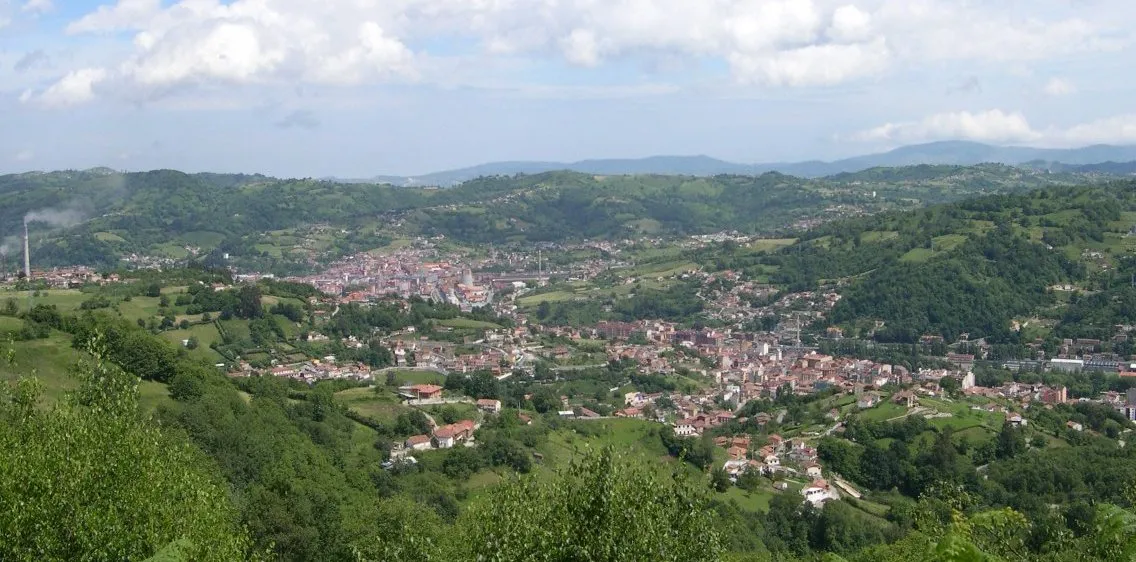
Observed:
{"x":94,"y":481}
{"x":599,"y":508}
{"x":1011,"y":442}
{"x":545,"y":400}
{"x":749,"y":480}
{"x":147,"y":357}
{"x":461,"y":462}
{"x":248,"y":302}
{"x":449,"y":414}
{"x":184,"y":324}
{"x":788,"y":524}
{"x":192,"y":343}
{"x":719,"y":480}
{"x":949,"y":384}
{"x":10,"y":307}
{"x":153,"y":290}
{"x":413,"y":422}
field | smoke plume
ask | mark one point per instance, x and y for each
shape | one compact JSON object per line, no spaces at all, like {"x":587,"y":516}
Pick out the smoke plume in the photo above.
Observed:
{"x":60,"y":217}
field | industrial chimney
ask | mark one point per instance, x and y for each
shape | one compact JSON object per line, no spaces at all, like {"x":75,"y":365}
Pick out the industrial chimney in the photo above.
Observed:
{"x":27,"y":254}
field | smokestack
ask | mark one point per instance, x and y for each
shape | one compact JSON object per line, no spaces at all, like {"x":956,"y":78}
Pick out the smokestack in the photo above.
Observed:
{"x":27,"y":254}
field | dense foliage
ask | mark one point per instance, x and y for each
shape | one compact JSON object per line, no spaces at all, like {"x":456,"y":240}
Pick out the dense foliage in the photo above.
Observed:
{"x":89,"y":479}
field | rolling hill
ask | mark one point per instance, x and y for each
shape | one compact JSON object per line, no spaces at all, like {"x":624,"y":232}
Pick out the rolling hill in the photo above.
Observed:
{"x":96,"y":217}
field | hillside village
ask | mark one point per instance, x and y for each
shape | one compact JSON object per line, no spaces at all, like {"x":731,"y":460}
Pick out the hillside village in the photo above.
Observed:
{"x":729,"y":382}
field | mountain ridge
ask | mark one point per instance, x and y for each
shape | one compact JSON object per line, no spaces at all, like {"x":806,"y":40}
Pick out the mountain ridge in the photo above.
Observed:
{"x":964,"y":153}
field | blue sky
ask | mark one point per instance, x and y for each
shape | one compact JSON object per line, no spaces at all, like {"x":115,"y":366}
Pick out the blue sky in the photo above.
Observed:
{"x":365,"y":87}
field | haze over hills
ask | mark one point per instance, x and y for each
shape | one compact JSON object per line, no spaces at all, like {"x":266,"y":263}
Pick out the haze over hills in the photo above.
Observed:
{"x":963,"y":153}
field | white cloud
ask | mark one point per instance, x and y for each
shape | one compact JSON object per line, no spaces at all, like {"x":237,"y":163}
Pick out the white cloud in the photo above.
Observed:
{"x":787,"y":43}
{"x":991,"y":126}
{"x":998,"y":126}
{"x":1119,"y":129}
{"x":24,"y":155}
{"x":76,"y":87}
{"x":1057,"y":87}
{"x":39,"y":6}
{"x":849,"y":23}
{"x":813,"y":65}
{"x":126,"y":14}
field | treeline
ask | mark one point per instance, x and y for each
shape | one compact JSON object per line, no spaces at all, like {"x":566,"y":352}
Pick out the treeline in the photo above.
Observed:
{"x":388,"y":316}
{"x":679,"y":303}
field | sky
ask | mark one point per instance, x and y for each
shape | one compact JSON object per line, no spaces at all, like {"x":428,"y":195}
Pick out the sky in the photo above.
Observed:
{"x":357,"y":88}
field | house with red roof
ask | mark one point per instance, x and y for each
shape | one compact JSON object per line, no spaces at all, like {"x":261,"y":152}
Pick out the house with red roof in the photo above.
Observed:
{"x":426,"y":391}
{"x":419,"y":442}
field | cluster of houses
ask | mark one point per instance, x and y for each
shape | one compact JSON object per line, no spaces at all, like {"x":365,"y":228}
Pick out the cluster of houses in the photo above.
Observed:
{"x":65,"y":277}
{"x":444,"y":437}
{"x":443,"y":356}
{"x":311,"y":371}
{"x":450,"y":435}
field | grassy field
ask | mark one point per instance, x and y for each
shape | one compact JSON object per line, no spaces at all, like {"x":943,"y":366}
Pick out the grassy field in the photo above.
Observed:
{"x":770,"y":244}
{"x":382,"y":406}
{"x":202,"y":238}
{"x":554,"y":296}
{"x":940,"y":244}
{"x":634,"y":440}
{"x":884,"y":411}
{"x":65,"y":300}
{"x":10,"y":324}
{"x":756,"y":501}
{"x":393,"y":247}
{"x":50,"y":360}
{"x":468,"y":323}
{"x":108,"y":237}
{"x":170,"y":250}
{"x":962,"y":416}
{"x":464,"y":411}
{"x":151,"y":394}
{"x":412,"y":376}
{"x":139,"y":307}
{"x":917,"y":255}
{"x":239,"y":329}
{"x":662,"y":269}
{"x":205,"y":333}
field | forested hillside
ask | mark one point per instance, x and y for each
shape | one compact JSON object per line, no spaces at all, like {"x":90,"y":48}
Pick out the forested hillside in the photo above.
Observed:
{"x":95,"y":217}
{"x":998,"y":267}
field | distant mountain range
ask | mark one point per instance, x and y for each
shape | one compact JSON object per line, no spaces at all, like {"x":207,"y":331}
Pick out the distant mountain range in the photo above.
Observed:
{"x":1107,"y":159}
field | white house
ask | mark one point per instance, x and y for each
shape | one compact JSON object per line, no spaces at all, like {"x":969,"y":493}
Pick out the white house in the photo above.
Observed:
{"x":735,"y":467}
{"x":685,"y":428}
{"x":419,"y":442}
{"x":489,"y":406}
{"x":819,"y":492}
{"x":867,"y":400}
{"x":813,"y":471}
